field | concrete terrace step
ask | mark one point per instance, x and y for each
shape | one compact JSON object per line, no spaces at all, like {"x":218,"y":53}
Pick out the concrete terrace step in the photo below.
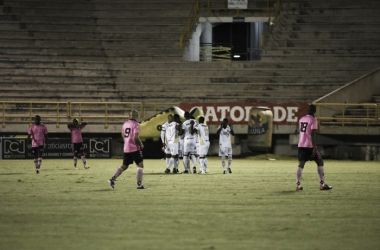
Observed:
{"x":286,"y":57}
{"x":61,"y":5}
{"x":58,"y":79}
{"x":93,"y":58}
{"x":228,"y":80}
{"x":26,"y":86}
{"x":333,"y":19}
{"x":318,"y":51}
{"x":253,"y":65}
{"x":353,"y":35}
{"x":306,"y":27}
{"x":83,"y":44}
{"x":115,"y":13}
{"x":329,"y":4}
{"x":344,"y":11}
{"x":328,"y":43}
{"x":145,"y":54}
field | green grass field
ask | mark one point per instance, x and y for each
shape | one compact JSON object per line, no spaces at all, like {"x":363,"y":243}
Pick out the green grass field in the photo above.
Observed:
{"x":256,"y":207}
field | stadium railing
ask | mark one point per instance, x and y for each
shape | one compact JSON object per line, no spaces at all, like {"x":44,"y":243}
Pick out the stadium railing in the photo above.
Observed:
{"x":370,"y":117}
{"x":23,"y":112}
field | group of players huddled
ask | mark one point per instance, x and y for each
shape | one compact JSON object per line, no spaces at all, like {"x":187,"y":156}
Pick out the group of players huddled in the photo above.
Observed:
{"x":190,"y":140}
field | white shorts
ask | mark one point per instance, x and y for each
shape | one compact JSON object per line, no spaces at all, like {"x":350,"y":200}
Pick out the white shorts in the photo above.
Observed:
{"x":173,"y":148}
{"x":203,"y":149}
{"x":189,"y":146}
{"x":225,"y":151}
{"x":167,"y":150}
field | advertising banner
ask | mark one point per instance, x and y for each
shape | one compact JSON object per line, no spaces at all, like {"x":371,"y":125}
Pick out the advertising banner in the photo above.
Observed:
{"x":13,"y":148}
{"x":238,"y":113}
{"x":237,"y":4}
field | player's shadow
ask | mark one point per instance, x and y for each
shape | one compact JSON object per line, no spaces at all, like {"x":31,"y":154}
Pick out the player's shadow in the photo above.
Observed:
{"x":100,"y":190}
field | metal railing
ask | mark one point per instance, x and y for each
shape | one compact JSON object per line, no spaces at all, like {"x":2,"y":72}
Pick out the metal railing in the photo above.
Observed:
{"x":213,"y":52}
{"x":193,"y":18}
{"x":18,"y":112}
{"x":372,"y":113}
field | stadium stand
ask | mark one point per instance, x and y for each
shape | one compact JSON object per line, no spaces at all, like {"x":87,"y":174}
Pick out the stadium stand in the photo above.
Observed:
{"x":129,"y":51}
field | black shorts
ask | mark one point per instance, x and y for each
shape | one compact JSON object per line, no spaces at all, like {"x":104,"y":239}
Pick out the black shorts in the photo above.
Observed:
{"x":37,"y":150}
{"x":304,"y":154}
{"x":129,"y":158}
{"x":77,"y":147}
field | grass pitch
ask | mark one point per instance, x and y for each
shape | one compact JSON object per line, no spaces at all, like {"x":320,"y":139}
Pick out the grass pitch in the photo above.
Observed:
{"x":255,"y":207}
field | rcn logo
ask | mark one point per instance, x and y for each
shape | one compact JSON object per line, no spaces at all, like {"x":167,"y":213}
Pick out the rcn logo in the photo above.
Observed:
{"x":14,"y":146}
{"x":99,"y":146}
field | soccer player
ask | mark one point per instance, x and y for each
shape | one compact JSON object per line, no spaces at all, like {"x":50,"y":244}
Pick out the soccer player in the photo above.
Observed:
{"x":225,"y":149}
{"x":164,"y":139}
{"x":172,"y":137}
{"x":77,"y":141}
{"x":307,"y":148}
{"x":39,"y":135}
{"x":190,"y":149}
{"x":204,"y":144}
{"x":132,"y":150}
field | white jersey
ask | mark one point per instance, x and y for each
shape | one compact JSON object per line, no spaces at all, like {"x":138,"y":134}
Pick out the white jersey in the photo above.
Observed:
{"x":172,"y":132}
{"x":186,"y":127}
{"x":203,"y":133}
{"x":225,"y":137}
{"x":163,"y":132}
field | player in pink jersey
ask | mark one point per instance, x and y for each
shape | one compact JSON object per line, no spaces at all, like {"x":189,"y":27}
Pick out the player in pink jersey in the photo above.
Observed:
{"x":77,"y":141}
{"x":307,"y":147}
{"x":38,"y":133}
{"x":132,"y":150}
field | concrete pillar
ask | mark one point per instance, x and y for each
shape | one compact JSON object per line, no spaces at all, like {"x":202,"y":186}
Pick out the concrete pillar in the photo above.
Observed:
{"x":206,"y":41}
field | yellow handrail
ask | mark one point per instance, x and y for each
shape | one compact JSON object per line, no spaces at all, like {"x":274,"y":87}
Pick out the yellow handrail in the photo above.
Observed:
{"x":334,"y":107}
{"x":68,"y":110}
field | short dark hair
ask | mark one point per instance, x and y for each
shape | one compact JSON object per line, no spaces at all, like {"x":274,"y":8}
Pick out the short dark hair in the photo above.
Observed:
{"x":312,"y":109}
{"x":201,"y":119}
{"x":187,"y":114}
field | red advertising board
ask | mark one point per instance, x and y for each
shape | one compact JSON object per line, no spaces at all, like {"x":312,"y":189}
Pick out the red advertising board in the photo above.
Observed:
{"x":238,"y":113}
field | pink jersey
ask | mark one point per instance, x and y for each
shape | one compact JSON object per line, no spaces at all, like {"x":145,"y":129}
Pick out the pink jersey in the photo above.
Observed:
{"x":38,"y":133}
{"x":76,"y":134}
{"x":306,"y":125}
{"x":130,"y":128}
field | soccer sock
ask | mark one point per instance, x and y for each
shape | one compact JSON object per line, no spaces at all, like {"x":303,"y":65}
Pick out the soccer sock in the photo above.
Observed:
{"x":39,"y":162}
{"x":117,"y":173}
{"x":36,"y":163}
{"x":186,"y":162}
{"x":229,"y":161}
{"x":299,"y":175}
{"x":223,"y":163}
{"x":139,"y":176}
{"x":75,"y":161}
{"x":168,"y":162}
{"x":83,"y":159}
{"x":176,"y":162}
{"x":201,"y":163}
{"x":171,"y":162}
{"x":321,"y":175}
{"x":193,"y":159}
{"x":206,"y":164}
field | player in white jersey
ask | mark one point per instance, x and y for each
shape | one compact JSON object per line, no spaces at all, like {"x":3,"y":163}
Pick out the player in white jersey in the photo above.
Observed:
{"x":190,"y":149}
{"x":225,"y":149}
{"x":164,"y":139}
{"x":204,"y":144}
{"x":172,"y":138}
